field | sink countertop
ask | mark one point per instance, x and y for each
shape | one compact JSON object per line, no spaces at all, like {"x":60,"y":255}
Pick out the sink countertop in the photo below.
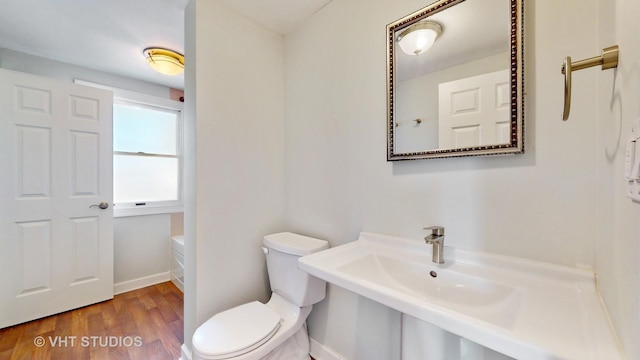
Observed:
{"x":521,"y":308}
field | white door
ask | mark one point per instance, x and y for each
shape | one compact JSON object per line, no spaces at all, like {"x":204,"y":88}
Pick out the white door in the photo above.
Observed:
{"x":56,"y":249}
{"x":474,"y":111}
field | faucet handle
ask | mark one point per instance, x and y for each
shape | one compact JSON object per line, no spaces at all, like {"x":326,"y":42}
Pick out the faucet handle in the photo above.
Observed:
{"x":436,"y":230}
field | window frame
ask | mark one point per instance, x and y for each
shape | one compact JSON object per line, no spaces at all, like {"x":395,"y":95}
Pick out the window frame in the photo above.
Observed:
{"x":156,"y":207}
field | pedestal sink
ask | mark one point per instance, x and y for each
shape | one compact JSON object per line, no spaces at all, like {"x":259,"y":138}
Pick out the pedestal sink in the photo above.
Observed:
{"x":517,"y":307}
{"x":446,"y":286}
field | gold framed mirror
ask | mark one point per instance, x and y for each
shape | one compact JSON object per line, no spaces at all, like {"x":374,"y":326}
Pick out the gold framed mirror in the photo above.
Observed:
{"x":455,"y":80}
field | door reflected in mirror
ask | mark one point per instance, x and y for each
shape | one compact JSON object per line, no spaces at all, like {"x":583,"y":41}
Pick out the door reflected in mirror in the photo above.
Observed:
{"x":455,"y":80}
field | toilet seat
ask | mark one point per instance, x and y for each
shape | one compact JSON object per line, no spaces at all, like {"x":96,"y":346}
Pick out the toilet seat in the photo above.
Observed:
{"x":236,"y":331}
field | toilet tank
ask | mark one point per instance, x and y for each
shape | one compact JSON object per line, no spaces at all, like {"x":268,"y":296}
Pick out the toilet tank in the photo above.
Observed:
{"x":283,"y":251}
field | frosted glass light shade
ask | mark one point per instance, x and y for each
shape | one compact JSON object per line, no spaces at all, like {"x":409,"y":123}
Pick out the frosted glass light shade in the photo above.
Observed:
{"x":419,"y":37}
{"x":165,"y":61}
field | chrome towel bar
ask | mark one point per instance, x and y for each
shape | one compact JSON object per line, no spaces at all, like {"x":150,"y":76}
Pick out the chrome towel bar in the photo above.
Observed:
{"x":608,"y":59}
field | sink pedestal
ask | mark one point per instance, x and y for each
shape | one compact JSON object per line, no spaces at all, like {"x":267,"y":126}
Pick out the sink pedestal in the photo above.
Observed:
{"x":423,"y":341}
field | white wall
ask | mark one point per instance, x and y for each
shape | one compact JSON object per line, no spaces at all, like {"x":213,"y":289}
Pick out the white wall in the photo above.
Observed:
{"x":541,"y":205}
{"x":335,"y":112}
{"x":142,"y":247}
{"x":556,"y":203}
{"x":618,"y":243}
{"x":142,"y":244}
{"x":234,"y":161}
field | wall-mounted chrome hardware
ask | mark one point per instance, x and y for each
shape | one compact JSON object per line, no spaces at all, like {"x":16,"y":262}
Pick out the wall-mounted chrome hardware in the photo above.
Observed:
{"x":103,"y":205}
{"x":608,"y":59}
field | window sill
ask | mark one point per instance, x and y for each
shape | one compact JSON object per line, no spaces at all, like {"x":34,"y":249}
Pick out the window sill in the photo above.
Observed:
{"x":151,"y":210}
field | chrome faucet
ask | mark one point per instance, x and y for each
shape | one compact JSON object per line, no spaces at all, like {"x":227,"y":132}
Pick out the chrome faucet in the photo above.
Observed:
{"x":436,"y":240}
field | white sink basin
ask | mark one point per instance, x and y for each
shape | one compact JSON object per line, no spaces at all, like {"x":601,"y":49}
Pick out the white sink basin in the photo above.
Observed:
{"x":521,"y":308}
{"x":467,"y":294}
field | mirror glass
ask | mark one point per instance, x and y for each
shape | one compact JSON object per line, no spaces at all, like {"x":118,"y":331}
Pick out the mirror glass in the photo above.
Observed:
{"x":464,"y":95}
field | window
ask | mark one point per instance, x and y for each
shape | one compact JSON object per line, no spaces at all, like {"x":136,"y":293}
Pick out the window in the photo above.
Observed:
{"x":146,"y":156}
{"x":147,"y":153}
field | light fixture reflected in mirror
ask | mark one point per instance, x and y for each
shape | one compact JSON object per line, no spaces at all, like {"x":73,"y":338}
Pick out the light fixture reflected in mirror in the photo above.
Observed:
{"x":419,"y":37}
{"x":164,"y":61}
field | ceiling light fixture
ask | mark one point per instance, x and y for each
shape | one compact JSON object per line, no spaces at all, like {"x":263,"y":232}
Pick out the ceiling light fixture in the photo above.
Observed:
{"x":164,"y":61}
{"x":419,"y":37}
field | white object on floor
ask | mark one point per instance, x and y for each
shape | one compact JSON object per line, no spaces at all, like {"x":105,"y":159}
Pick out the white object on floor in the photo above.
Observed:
{"x":177,"y":266}
{"x":275,"y":330}
{"x":294,"y":348}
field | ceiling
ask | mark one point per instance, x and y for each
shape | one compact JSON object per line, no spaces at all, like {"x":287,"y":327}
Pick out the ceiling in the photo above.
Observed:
{"x":110,"y":35}
{"x":471,"y":30}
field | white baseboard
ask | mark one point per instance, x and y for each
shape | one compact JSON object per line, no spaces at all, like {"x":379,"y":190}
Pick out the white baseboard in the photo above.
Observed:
{"x":186,"y":354}
{"x":139,"y":283}
{"x":321,"y":352}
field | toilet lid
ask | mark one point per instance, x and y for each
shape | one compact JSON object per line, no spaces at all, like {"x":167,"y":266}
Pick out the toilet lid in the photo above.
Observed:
{"x":236,"y":331}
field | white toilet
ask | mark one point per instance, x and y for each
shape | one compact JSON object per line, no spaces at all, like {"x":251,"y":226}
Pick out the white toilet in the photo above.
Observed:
{"x":277,"y":329}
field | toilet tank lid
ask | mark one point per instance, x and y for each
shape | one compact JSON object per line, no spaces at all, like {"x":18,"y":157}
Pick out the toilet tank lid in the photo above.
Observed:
{"x":294,"y":244}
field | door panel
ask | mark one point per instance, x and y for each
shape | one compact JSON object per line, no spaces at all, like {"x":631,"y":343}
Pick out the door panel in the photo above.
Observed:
{"x":34,"y":162}
{"x":474,"y":111}
{"x":34,"y":252}
{"x":56,"y":251}
{"x":85,"y":163}
{"x":86,"y":246}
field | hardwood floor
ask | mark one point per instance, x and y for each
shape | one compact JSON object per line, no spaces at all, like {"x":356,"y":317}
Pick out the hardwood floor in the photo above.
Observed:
{"x":141,"y":324}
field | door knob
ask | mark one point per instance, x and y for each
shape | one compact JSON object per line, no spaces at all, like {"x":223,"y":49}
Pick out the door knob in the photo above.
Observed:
{"x":103,"y":205}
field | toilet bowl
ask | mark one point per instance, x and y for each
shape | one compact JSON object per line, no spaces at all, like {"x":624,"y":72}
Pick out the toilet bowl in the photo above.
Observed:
{"x":277,"y":329}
